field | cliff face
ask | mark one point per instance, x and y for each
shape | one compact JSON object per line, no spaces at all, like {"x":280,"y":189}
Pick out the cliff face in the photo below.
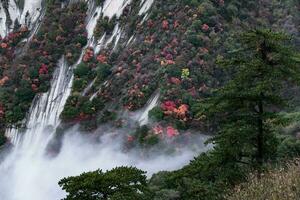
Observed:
{"x":123,"y":53}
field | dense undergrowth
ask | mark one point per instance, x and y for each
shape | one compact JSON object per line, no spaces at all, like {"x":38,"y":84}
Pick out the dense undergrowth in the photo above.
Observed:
{"x":276,"y":184}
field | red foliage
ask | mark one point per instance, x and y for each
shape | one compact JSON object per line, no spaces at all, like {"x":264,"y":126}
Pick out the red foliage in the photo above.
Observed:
{"x":45,"y":53}
{"x":169,"y":56}
{"x":43,"y":69}
{"x":171,"y":131}
{"x":89,"y":53}
{"x":165,"y":24}
{"x":24,"y":29}
{"x":168,"y":106}
{"x":205,"y":27}
{"x":130,"y":138}
{"x":135,"y":91}
{"x":59,"y":38}
{"x":182,"y":111}
{"x":175,"y":80}
{"x":2,"y":112}
{"x":34,"y":87}
{"x":158,"y":129}
{"x":192,"y":91}
{"x":102,"y":58}
{"x":4,"y":45}
{"x":138,"y":67}
{"x":81,"y":117}
{"x":3,"y":80}
{"x":203,"y":88}
{"x":150,"y":23}
{"x":176,"y":24}
{"x":204,"y":50}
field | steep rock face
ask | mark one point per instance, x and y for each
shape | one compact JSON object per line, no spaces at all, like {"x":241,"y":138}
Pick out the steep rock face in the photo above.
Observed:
{"x":131,"y":50}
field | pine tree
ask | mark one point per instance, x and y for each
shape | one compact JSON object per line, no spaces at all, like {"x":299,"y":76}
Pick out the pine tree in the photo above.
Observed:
{"x":246,"y":108}
{"x":119,"y":183}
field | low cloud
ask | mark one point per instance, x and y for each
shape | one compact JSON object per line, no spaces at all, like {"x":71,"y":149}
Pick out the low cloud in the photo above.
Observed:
{"x":25,"y":175}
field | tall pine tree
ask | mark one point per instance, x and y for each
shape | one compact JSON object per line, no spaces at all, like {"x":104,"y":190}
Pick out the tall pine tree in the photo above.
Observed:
{"x":246,"y":108}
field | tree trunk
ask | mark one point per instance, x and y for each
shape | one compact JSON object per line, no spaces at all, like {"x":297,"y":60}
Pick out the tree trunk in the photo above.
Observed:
{"x":260,"y":135}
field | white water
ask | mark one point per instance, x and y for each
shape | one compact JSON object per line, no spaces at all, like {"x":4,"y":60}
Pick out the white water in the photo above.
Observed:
{"x":33,"y":7}
{"x":29,"y":15}
{"x":27,"y":173}
{"x":146,"y":5}
{"x":114,"y":7}
{"x":3,"y":27}
{"x":143,"y":118}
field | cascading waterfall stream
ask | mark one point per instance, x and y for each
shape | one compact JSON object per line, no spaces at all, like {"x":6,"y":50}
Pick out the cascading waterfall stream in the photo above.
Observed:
{"x":44,"y":113}
{"x":143,"y":118}
{"x":28,"y":14}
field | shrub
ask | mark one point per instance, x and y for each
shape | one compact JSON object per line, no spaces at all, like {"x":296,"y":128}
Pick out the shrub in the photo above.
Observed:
{"x":288,"y":148}
{"x":107,"y":116}
{"x":151,"y":140}
{"x":88,"y":108}
{"x":103,"y":71}
{"x":156,"y":113}
{"x":79,"y":84}
{"x":80,"y":39}
{"x":2,"y":139}
{"x":81,"y":70}
{"x":24,"y":94}
{"x":277,"y":184}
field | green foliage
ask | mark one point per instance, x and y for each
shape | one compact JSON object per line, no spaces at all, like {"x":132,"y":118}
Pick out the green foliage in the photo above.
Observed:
{"x":119,"y":183}
{"x":99,"y":2}
{"x":242,"y":113}
{"x":156,"y":113}
{"x":79,"y":84}
{"x":2,"y":139}
{"x":195,"y":39}
{"x":289,"y":148}
{"x":242,"y":108}
{"x":107,"y":116}
{"x":69,"y":112}
{"x":144,"y":137}
{"x":104,"y":25}
{"x":24,"y":94}
{"x":81,"y":70}
{"x":103,"y":71}
{"x":205,"y":178}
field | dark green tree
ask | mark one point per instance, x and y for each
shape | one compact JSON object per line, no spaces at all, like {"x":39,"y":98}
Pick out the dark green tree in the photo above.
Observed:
{"x":245,"y":110}
{"x":120,"y":183}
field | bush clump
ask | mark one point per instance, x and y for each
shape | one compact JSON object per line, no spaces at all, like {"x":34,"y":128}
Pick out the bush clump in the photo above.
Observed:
{"x":282,"y":183}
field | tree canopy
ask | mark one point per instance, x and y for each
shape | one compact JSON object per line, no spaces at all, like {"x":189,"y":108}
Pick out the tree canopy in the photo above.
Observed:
{"x":119,"y":183}
{"x":246,"y":107}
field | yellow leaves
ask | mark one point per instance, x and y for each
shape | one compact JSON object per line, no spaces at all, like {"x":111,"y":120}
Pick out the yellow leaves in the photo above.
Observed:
{"x":185,"y":73}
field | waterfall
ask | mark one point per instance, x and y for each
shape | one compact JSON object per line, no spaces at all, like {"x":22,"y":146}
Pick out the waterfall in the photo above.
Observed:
{"x":44,"y":113}
{"x":143,"y":118}
{"x":29,"y":13}
{"x":28,"y":174}
{"x":43,"y":119}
